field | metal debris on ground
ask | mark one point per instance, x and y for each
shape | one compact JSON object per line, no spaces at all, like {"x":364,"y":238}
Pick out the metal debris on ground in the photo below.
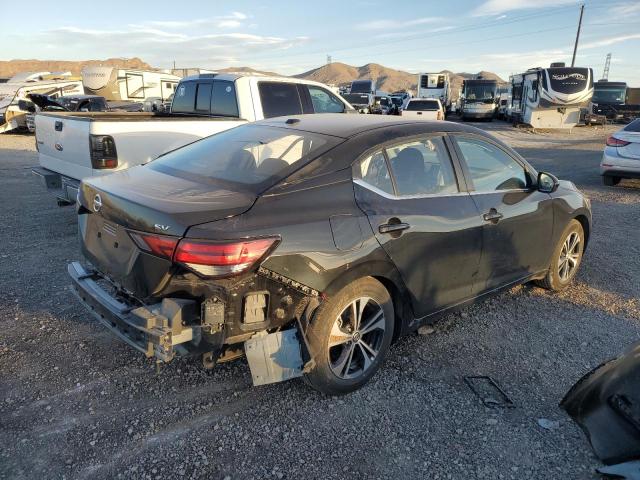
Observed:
{"x":489,"y":392}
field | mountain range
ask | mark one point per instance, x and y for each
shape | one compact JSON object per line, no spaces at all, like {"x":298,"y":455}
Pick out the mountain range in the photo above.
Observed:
{"x":336,"y":73}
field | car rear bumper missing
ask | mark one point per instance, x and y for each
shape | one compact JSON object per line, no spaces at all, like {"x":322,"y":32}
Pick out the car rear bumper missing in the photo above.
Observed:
{"x":67,"y":187}
{"x":156,"y":331}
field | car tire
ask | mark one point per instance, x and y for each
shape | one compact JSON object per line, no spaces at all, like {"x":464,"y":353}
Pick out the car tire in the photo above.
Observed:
{"x":564,"y":265}
{"x":347,"y":356}
{"x":610,"y":181}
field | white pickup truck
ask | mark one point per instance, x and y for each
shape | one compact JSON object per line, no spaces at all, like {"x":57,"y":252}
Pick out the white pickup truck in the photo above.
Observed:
{"x":75,"y":145}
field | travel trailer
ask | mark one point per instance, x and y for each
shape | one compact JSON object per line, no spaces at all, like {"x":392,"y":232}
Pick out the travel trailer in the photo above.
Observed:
{"x":478,"y":99}
{"x":551,"y":97}
{"x":435,"y":85}
{"x":14,"y":102}
{"x":119,"y":84}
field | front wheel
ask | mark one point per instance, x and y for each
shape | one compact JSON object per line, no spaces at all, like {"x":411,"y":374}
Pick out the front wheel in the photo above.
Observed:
{"x":567,"y":257}
{"x":349,"y":337}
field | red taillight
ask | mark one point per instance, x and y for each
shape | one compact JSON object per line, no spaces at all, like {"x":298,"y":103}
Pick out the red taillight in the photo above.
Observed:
{"x":159,"y":245}
{"x":616,"y":142}
{"x":218,"y":259}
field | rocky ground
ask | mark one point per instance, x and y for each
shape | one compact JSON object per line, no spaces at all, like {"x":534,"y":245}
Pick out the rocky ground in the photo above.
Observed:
{"x":77,"y":403}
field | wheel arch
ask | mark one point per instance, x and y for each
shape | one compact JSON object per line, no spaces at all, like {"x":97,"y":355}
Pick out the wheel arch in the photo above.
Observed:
{"x":586,"y":226}
{"x":387,"y":274}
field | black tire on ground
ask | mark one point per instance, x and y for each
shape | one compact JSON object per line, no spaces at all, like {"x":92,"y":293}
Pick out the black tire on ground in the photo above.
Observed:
{"x":553,"y":279}
{"x":610,"y":181}
{"x":331,"y":322}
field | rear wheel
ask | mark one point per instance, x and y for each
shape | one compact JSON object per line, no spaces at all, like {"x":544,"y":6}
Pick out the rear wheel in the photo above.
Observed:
{"x":567,"y":257}
{"x":610,"y":180}
{"x":349,"y":337}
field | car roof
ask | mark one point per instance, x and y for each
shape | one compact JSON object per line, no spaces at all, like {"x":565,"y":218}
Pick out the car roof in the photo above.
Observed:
{"x":351,"y":124}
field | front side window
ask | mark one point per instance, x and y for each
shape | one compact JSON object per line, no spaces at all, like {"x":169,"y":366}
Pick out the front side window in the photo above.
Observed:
{"x":422,"y":167}
{"x":373,"y":171}
{"x":490,"y":167}
{"x":279,"y":99}
{"x":324,"y":102}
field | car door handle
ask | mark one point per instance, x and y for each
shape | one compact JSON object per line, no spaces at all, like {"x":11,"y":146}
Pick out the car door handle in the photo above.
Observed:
{"x":393,"y":227}
{"x":492,"y":216}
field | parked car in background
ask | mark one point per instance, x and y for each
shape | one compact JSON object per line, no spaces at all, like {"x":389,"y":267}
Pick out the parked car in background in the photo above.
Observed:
{"x":67,"y":103}
{"x":382,"y":105}
{"x":73,"y":146}
{"x":621,"y":156}
{"x":424,"y":109}
{"x":309,"y":243}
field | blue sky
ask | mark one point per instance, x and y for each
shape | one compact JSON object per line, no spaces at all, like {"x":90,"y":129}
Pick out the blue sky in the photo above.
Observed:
{"x":503,"y":36}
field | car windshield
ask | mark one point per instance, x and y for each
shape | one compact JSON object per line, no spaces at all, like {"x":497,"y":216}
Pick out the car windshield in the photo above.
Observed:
{"x":480,"y":93}
{"x":608,"y":94}
{"x":253,"y":157}
{"x":420,"y":105}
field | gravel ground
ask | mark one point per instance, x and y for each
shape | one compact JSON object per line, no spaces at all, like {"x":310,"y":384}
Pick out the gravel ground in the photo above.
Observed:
{"x":76,"y":403}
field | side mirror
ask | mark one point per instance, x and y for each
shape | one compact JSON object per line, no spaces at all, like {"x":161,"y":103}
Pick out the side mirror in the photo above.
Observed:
{"x":547,"y":183}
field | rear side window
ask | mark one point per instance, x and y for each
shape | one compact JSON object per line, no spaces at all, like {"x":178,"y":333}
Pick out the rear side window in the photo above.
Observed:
{"x":421,"y":105}
{"x":279,"y":99}
{"x":203,"y":97}
{"x":224,"y":99}
{"x":490,"y":167}
{"x":422,"y":167}
{"x":184,"y":98}
{"x":373,"y":171}
{"x":325,"y":102}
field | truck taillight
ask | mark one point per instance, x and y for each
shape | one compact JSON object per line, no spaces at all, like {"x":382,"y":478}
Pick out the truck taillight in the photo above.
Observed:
{"x":218,"y":259}
{"x":103,"y":152}
{"x":208,"y":259}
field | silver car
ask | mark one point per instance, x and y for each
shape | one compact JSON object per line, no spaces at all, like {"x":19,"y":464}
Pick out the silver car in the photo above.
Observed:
{"x":621,"y":157}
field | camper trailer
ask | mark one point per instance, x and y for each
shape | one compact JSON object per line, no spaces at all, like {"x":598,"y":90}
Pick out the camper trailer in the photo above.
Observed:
{"x":435,"y":85}
{"x":119,"y":84}
{"x":14,"y":103}
{"x":550,"y":97}
{"x":478,"y":99}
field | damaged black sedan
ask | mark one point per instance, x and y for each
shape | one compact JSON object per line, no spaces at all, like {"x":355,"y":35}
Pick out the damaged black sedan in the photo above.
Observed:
{"x":310,"y":243}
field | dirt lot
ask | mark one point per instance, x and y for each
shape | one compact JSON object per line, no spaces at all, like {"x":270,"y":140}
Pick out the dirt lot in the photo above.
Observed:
{"x":76,"y":403}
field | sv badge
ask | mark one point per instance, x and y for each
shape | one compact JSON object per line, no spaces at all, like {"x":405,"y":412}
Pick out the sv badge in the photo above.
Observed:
{"x":160,"y":227}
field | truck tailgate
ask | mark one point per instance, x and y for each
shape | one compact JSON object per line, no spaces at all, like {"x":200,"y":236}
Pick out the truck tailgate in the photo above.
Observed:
{"x":63,"y":145}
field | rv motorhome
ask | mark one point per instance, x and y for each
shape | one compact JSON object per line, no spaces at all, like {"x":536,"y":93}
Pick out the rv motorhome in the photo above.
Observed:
{"x":14,"y":102}
{"x":435,"y":85}
{"x":551,"y":97}
{"x":478,"y":99}
{"x":610,"y":102}
{"x":119,"y":84}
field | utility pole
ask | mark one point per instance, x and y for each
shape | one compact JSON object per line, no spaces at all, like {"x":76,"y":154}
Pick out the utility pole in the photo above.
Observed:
{"x":575,"y":47}
{"x":607,"y":63}
{"x":328,"y":59}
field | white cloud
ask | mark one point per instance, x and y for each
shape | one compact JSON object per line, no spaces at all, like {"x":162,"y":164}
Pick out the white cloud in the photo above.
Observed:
{"x":603,"y":42}
{"x":497,"y":7}
{"x":396,"y":24}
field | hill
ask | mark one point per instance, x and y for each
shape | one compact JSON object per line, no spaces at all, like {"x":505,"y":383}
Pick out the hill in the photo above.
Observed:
{"x":11,"y":67}
{"x":387,"y":79}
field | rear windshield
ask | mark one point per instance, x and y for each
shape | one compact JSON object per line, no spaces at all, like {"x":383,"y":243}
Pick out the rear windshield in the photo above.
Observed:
{"x":364,"y":86}
{"x":423,"y":105}
{"x":253,"y":156}
{"x":204,"y":97}
{"x":633,"y":126}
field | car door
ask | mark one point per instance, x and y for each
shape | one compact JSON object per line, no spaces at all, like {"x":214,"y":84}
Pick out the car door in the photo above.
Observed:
{"x":424,"y":219}
{"x":518,"y":219}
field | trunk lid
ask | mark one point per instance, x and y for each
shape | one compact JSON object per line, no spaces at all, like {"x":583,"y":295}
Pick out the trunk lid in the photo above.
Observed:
{"x":144,"y":200}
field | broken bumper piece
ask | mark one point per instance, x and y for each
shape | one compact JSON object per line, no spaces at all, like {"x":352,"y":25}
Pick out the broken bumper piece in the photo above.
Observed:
{"x":156,"y":330}
{"x":605,"y":403}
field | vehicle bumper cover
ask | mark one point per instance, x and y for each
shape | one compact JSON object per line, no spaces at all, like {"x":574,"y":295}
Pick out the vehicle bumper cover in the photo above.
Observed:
{"x":605,"y":403}
{"x":150,"y":330}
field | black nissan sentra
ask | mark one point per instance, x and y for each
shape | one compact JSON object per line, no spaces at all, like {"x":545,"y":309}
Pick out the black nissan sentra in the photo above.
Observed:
{"x":310,"y":243}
